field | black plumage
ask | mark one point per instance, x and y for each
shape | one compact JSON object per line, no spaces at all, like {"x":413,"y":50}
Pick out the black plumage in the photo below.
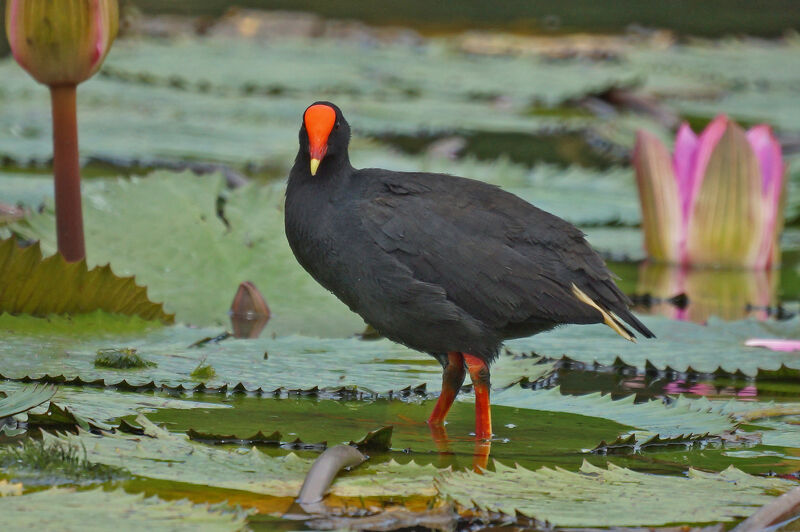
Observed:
{"x":442,"y":263}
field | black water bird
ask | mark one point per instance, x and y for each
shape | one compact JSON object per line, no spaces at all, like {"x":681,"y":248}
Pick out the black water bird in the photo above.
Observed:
{"x":446,"y":265}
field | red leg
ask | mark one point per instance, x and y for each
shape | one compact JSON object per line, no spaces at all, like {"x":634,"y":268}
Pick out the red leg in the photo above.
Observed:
{"x":452,"y":379}
{"x":479,"y":372}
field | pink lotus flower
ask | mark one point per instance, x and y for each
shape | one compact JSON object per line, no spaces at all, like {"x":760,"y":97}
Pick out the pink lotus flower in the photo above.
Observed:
{"x":717,"y":200}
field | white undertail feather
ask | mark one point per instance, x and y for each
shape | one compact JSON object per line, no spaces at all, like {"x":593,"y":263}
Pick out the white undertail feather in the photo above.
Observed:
{"x":609,"y":318}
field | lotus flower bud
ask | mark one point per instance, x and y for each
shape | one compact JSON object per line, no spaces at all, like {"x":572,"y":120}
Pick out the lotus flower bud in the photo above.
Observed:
{"x":717,"y":201}
{"x":61,"y":42}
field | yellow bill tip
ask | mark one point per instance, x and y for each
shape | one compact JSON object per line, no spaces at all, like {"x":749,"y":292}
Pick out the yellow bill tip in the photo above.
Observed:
{"x":314,"y":166}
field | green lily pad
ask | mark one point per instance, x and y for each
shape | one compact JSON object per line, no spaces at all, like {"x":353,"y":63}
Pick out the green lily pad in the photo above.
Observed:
{"x":25,"y":399}
{"x":597,"y":497}
{"x":197,"y":263}
{"x":530,"y":437}
{"x":159,"y":454}
{"x":108,"y":405}
{"x":781,"y":432}
{"x":293,"y":362}
{"x":32,"y":285}
{"x":70,"y":510}
{"x":682,"y":418}
{"x":681,"y":346}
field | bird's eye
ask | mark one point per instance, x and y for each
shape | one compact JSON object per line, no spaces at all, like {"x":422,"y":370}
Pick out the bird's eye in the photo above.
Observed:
{"x":336,"y":125}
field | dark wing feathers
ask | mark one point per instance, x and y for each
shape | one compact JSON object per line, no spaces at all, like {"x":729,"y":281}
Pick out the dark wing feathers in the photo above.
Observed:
{"x":497,"y":257}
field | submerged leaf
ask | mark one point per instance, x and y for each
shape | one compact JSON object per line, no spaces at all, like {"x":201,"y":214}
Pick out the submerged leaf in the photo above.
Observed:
{"x":32,"y":285}
{"x":96,"y":510}
{"x":39,"y":463}
{"x":596,"y":497}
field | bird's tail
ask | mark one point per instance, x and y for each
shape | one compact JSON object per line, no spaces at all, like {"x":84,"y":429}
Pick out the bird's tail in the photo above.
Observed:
{"x":612,"y":320}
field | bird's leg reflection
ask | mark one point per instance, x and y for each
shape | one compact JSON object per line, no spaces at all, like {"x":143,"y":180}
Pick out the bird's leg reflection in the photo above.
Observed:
{"x":442,"y":442}
{"x":480,"y":458}
{"x":439,"y":437}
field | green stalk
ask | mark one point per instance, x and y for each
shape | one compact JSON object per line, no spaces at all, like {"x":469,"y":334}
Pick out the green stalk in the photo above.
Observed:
{"x":67,"y":172}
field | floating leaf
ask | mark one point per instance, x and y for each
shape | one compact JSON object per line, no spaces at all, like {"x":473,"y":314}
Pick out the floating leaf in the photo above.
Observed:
{"x":781,"y":432}
{"x":162,"y":455}
{"x":680,"y":346}
{"x":159,"y":454}
{"x":682,"y":418}
{"x":32,"y":285}
{"x":25,"y":399}
{"x":197,"y":262}
{"x":68,"y":509}
{"x":596,"y":497}
{"x":61,"y":418}
{"x":376,"y":440}
{"x":294,"y":363}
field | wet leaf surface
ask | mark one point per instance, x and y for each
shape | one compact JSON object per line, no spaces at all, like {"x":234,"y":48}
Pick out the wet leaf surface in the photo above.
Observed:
{"x":611,"y":497}
{"x":678,"y":346}
{"x":24,"y":399}
{"x":68,"y":509}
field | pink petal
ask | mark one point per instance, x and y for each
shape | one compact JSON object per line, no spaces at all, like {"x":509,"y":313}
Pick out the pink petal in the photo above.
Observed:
{"x":13,"y":7}
{"x":705,"y":146}
{"x":683,"y":163}
{"x":101,"y":41}
{"x":774,"y":344}
{"x":768,"y":151}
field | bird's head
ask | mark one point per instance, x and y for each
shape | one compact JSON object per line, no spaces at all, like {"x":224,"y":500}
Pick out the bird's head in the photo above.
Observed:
{"x":325,"y":134}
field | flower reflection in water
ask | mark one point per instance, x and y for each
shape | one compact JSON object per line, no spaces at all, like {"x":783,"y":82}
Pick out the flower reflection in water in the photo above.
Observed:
{"x":748,"y":393}
{"x":727,"y":294}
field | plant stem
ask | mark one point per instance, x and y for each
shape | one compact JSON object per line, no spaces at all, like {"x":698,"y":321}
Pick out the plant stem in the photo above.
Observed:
{"x":67,"y":173}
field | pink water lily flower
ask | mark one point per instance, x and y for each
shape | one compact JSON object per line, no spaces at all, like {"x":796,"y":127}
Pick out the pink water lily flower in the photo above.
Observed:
{"x":717,"y":201}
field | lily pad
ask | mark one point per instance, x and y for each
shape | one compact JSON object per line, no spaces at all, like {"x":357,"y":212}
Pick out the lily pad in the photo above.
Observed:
{"x":197,"y":263}
{"x":597,"y":497}
{"x":32,"y":285}
{"x":530,"y":437}
{"x":25,"y":399}
{"x":680,"y":346}
{"x":294,"y":362}
{"x":108,"y":405}
{"x":82,"y":511}
{"x":682,"y":418}
{"x":159,"y":454}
